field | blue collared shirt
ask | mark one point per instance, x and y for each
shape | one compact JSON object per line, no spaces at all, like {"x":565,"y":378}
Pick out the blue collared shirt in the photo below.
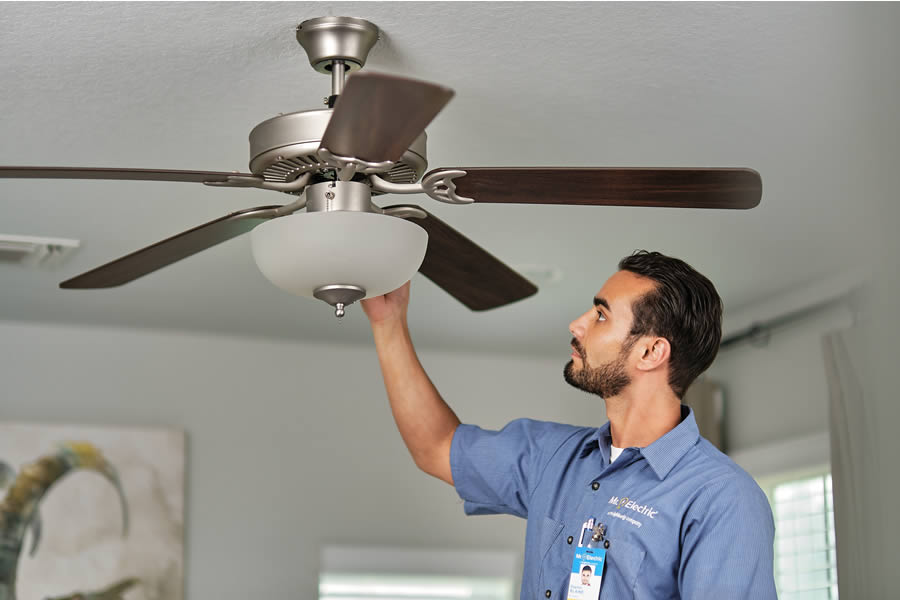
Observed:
{"x":683,"y":520}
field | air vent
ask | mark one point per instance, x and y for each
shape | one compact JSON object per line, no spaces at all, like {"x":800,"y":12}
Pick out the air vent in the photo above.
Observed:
{"x":289,"y":169}
{"x":402,"y":173}
{"x":31,"y":250}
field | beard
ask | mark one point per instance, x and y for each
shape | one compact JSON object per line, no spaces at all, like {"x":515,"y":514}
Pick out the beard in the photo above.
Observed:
{"x":606,"y":380}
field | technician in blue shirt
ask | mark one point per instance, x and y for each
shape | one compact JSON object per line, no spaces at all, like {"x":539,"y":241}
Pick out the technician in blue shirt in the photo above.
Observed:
{"x":682,"y":520}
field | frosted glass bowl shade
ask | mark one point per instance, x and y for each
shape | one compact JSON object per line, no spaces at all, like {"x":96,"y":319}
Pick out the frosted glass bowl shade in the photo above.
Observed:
{"x":304,"y":251}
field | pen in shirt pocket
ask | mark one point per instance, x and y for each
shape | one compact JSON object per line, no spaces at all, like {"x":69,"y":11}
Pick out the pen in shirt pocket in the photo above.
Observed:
{"x":587,"y":527}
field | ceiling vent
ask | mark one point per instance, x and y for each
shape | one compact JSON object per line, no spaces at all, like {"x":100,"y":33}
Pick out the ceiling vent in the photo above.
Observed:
{"x":31,"y":250}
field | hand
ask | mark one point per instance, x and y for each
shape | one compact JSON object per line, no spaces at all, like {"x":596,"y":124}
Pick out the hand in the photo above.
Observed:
{"x":389,"y":307}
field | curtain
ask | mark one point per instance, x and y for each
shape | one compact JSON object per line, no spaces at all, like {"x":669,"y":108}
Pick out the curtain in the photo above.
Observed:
{"x":705,"y":399}
{"x":850,"y":443}
{"x":864,"y":460}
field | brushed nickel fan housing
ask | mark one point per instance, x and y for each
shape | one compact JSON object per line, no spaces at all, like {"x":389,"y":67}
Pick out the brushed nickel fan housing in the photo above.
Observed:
{"x":284,"y":147}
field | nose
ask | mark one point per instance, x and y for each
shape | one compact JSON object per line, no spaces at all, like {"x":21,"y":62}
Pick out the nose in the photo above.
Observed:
{"x":577,"y":327}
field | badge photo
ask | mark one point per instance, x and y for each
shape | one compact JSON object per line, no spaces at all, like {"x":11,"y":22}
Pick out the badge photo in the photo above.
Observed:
{"x":587,"y":573}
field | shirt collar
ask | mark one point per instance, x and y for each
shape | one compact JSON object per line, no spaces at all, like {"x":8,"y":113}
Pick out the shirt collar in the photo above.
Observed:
{"x":664,"y":453}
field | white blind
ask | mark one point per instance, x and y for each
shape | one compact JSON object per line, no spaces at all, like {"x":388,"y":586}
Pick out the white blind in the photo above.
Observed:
{"x":805,"y":564}
{"x":389,"y":573}
{"x":364,"y":586}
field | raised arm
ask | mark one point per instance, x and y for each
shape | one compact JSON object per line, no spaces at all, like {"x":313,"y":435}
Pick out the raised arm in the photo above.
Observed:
{"x":425,"y":421}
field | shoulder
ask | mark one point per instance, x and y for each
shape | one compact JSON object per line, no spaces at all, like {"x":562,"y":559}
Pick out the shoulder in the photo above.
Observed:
{"x":723,"y":487}
{"x":727,"y":535}
{"x":545,"y":435}
{"x":548,"y":432}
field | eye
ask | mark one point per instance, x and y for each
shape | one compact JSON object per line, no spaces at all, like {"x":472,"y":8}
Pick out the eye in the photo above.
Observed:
{"x":600,"y":316}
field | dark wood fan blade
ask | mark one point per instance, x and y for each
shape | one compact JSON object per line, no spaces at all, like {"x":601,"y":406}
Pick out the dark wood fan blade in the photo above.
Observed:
{"x":146,"y":260}
{"x":465,"y":270}
{"x":378,"y":116}
{"x":672,"y":187}
{"x":123,"y":174}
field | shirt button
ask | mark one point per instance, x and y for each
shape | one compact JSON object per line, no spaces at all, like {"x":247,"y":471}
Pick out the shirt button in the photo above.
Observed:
{"x":570,"y":539}
{"x":547,"y":593}
{"x":595,"y":486}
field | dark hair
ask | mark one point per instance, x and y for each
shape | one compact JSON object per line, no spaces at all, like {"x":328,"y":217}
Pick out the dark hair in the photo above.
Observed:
{"x":587,"y":568}
{"x":684,"y":308}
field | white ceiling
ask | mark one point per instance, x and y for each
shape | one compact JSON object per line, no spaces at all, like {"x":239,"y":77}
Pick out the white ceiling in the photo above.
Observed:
{"x":795,"y":91}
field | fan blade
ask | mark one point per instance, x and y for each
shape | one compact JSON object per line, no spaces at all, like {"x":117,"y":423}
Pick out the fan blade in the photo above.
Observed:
{"x":466,"y":271}
{"x":122,"y":174}
{"x":173,"y":249}
{"x":379,"y":116}
{"x":672,"y":187}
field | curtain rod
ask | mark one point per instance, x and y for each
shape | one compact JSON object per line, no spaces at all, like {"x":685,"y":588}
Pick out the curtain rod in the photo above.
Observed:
{"x":763,"y":329}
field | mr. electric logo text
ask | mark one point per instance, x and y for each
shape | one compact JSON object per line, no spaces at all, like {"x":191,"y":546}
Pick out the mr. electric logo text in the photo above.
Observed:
{"x":629,"y":504}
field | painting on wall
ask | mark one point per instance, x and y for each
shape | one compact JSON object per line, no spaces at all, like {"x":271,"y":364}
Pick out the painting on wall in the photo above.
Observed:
{"x":91,"y":513}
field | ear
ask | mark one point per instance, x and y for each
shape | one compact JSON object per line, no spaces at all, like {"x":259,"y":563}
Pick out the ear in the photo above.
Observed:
{"x":654,"y":353}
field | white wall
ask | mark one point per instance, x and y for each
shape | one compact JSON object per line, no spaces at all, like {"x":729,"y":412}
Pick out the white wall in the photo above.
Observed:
{"x":290,"y":446}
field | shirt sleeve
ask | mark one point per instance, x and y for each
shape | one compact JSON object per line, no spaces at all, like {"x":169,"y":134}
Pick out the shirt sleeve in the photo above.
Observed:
{"x":495,"y":472}
{"x":728,"y":543}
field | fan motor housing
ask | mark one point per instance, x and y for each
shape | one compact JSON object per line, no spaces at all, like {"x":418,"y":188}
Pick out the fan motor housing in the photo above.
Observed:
{"x":284,"y":147}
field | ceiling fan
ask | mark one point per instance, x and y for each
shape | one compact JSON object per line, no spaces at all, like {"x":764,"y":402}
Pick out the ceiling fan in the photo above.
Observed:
{"x":369,"y":141}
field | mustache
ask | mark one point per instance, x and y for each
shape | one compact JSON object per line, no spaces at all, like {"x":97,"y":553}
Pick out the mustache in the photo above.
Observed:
{"x":578,"y":348}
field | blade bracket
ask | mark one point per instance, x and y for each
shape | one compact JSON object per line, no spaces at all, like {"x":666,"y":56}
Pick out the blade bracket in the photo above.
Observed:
{"x":405,"y":212}
{"x":292,"y":187}
{"x":438,"y":186}
{"x":348,"y":166}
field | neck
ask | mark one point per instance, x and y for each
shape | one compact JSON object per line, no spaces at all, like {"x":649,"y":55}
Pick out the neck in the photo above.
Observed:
{"x":640,"y":417}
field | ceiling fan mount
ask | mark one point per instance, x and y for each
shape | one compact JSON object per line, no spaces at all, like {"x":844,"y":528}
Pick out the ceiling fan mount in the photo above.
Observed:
{"x":342,"y":40}
{"x":332,"y":242}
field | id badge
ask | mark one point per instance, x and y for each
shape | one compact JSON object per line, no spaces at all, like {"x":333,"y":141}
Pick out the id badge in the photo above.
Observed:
{"x":587,"y":572}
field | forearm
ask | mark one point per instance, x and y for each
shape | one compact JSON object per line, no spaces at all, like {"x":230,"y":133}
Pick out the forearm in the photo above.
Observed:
{"x":425,"y":421}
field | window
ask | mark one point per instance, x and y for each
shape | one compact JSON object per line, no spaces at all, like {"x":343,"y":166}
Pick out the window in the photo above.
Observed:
{"x":350,"y":586}
{"x":805,"y":563}
{"x":380,"y":573}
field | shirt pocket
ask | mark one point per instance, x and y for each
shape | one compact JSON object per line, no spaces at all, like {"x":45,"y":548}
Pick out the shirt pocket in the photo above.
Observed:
{"x":553,"y":568}
{"x":625,"y":559}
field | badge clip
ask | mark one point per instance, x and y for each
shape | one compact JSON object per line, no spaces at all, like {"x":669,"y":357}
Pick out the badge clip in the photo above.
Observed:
{"x":598,"y":537}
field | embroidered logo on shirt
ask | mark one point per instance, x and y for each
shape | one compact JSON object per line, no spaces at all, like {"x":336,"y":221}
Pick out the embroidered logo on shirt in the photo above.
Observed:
{"x":629,"y":504}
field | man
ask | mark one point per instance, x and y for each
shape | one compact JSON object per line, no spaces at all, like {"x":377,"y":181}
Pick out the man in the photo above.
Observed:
{"x":680,"y":518}
{"x":586,"y":575}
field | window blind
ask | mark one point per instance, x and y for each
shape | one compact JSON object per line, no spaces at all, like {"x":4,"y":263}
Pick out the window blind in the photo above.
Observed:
{"x":805,"y":563}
